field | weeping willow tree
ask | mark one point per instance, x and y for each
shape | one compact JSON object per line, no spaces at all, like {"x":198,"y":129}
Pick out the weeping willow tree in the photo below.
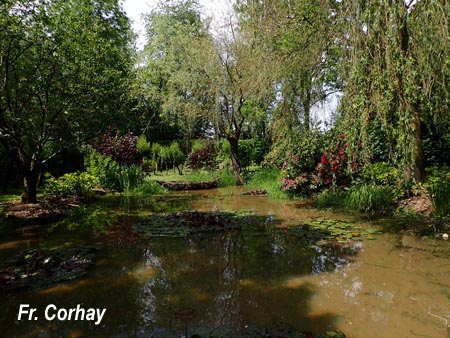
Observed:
{"x":397,"y":77}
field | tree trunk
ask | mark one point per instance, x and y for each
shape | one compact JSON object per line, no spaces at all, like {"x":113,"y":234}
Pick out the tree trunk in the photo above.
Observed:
{"x":30,"y":187}
{"x":418,"y":165}
{"x":234,"y":145}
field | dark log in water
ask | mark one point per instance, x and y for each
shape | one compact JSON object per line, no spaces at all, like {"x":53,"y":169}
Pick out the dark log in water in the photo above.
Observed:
{"x":180,"y":185}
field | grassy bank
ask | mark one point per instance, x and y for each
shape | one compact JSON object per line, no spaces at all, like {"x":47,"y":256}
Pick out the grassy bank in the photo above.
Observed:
{"x":267,"y":179}
{"x":226,"y":176}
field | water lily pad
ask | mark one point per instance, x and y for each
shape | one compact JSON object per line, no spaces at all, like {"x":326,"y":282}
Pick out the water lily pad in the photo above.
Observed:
{"x":38,"y":268}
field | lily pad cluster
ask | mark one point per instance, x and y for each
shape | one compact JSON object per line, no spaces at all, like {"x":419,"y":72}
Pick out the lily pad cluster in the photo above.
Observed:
{"x":181,"y":224}
{"x":38,"y":268}
{"x":324,"y":231}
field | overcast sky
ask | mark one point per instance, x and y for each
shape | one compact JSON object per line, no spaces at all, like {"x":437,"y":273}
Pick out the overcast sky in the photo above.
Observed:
{"x":216,"y":9}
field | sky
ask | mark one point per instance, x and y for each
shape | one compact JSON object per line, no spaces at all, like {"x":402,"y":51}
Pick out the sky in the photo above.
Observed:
{"x":216,"y":9}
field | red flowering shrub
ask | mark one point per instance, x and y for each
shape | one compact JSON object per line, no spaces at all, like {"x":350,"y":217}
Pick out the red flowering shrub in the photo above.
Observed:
{"x":333,"y":167}
{"x":332,"y":170}
{"x":121,"y":149}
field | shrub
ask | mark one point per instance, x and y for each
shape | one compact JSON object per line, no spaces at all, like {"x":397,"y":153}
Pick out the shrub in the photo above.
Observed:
{"x":176,"y":156}
{"x":333,"y":168}
{"x":203,"y":157}
{"x":71,"y":184}
{"x":304,"y":150}
{"x":381,"y":173}
{"x":156,"y":155}
{"x":143,"y":148}
{"x":121,"y":149}
{"x":104,"y":168}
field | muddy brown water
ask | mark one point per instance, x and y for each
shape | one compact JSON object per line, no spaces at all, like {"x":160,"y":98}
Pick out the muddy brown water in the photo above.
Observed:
{"x":211,"y":283}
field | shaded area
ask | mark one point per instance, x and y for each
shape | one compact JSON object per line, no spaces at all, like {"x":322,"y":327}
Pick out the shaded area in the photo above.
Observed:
{"x":40,"y":268}
{"x":245,"y":278}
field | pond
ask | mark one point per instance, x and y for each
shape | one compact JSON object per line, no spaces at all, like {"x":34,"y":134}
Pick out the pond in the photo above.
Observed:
{"x":261,"y":266}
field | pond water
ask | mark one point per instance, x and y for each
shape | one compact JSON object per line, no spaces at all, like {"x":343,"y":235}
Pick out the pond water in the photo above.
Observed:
{"x":258,"y":276}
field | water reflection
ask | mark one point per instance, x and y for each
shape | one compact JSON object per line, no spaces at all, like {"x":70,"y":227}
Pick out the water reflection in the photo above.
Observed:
{"x":229,"y":279}
{"x":236,"y":278}
{"x":254,"y":276}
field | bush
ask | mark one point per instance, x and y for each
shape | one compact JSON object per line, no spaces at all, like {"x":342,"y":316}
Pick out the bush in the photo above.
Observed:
{"x":121,"y":149}
{"x":110,"y":174}
{"x":333,"y":168}
{"x":203,"y":157}
{"x":143,"y":148}
{"x":71,"y":184}
{"x":104,"y":168}
{"x":176,"y":156}
{"x":381,"y":173}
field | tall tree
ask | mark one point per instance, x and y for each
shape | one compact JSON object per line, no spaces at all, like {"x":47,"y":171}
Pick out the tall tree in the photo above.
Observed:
{"x":296,"y":44}
{"x":63,"y":71}
{"x":393,"y":75}
{"x":205,"y":76}
{"x":171,"y":27}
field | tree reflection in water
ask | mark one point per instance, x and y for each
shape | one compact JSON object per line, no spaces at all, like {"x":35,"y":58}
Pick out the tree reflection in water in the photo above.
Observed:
{"x":237,"y":278}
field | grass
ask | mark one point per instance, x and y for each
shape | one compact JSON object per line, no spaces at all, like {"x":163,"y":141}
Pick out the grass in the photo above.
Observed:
{"x":369,"y":198}
{"x":225,"y":175}
{"x":268,"y":179}
{"x":149,"y":187}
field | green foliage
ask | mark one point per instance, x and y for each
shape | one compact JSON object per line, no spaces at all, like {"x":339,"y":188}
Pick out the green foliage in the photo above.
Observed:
{"x":63,"y":76}
{"x":251,"y":151}
{"x":149,"y":187}
{"x":227,"y":178}
{"x":381,"y":173}
{"x":112,"y":175}
{"x":176,"y":155}
{"x":246,"y":153}
{"x":438,"y":186}
{"x":367,"y":198}
{"x":130,"y":177}
{"x":330,"y":199}
{"x":268,"y":179}
{"x":199,"y":144}
{"x":304,"y":148}
{"x":104,"y":168}
{"x":144,"y":148}
{"x":71,"y":184}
